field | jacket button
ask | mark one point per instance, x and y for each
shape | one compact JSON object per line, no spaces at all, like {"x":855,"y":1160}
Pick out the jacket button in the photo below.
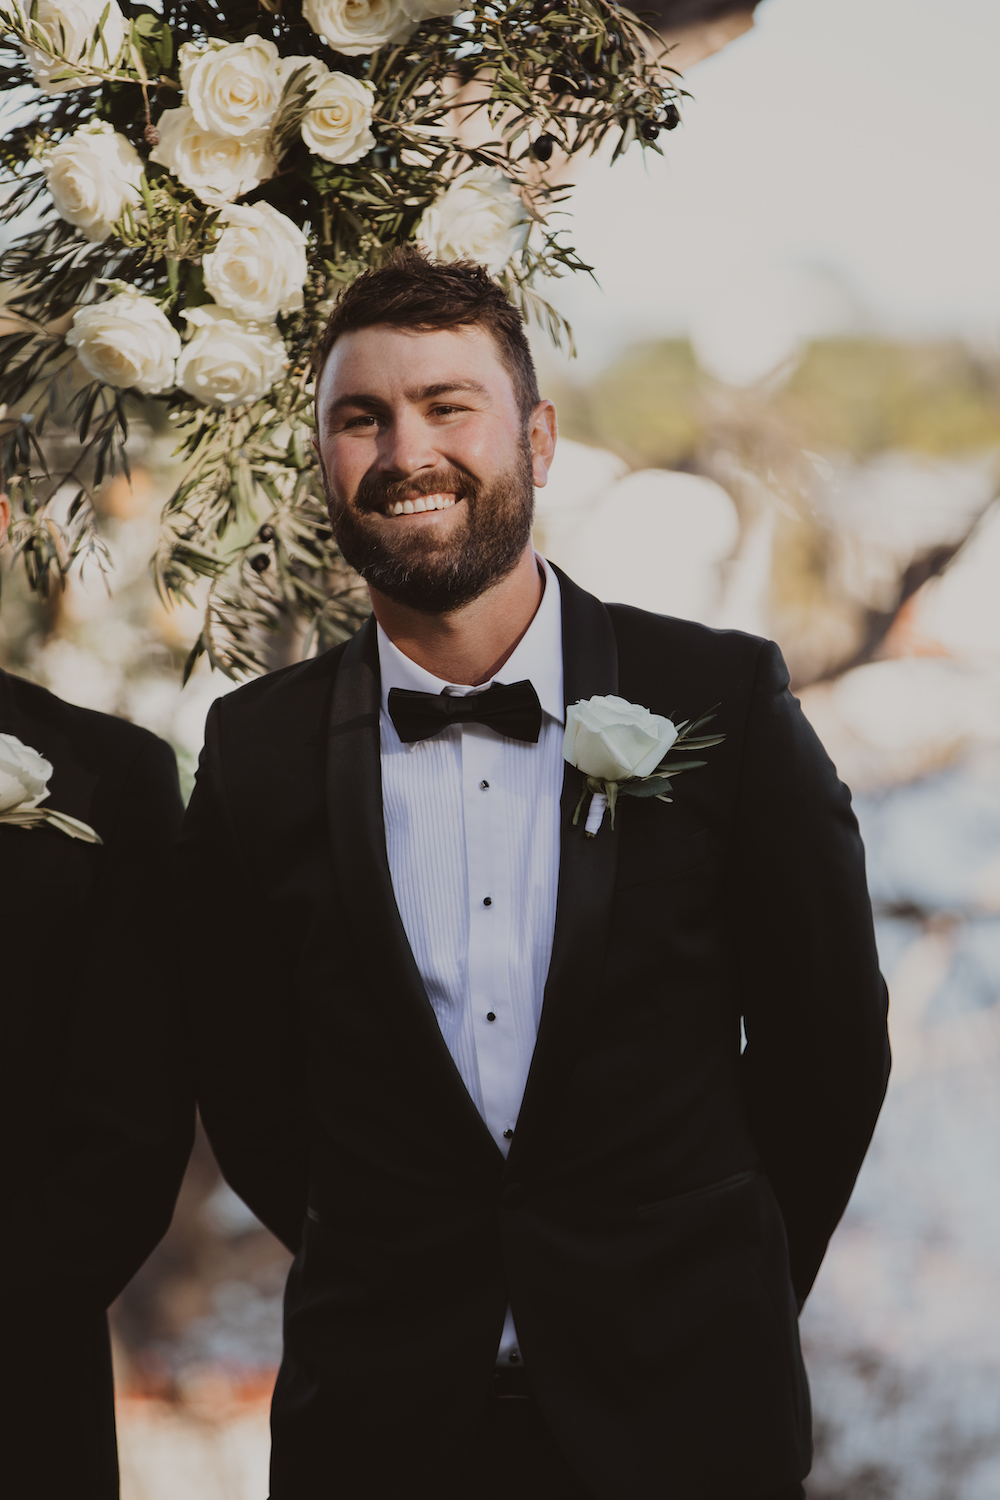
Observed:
{"x":513,"y":1194}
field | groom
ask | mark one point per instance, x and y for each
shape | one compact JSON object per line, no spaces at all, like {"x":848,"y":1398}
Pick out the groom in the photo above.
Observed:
{"x":481,"y":1072}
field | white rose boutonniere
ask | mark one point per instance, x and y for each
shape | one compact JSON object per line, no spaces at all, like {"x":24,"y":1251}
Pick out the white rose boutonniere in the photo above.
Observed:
{"x":621,"y":748}
{"x":24,"y":776}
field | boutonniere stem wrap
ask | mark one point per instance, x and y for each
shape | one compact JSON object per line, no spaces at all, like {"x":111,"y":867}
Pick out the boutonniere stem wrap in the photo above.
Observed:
{"x":24,"y":776}
{"x":623,"y":749}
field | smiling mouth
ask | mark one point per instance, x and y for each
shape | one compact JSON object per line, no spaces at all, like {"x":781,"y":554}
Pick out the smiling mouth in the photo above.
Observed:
{"x":420,"y":504}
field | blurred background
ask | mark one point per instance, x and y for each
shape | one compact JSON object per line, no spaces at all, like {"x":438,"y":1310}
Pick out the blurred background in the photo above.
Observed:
{"x":784,"y":417}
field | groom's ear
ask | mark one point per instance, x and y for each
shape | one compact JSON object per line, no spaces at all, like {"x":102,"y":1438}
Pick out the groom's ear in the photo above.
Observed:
{"x":543,"y":433}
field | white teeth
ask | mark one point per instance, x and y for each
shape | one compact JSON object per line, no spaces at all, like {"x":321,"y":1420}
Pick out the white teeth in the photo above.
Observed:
{"x":422,"y":503}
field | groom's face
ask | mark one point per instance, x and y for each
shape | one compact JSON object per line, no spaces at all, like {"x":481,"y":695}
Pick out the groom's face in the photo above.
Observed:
{"x":428,"y":463}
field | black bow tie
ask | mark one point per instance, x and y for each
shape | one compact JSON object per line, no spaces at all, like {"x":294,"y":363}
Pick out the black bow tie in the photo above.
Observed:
{"x":512,"y":710}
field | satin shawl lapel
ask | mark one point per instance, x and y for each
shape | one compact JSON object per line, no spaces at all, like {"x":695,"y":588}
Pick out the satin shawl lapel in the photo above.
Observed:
{"x":357,"y":834}
{"x":587,"y":870}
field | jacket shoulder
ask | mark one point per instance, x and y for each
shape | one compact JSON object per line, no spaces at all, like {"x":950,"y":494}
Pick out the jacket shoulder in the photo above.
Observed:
{"x":90,"y":732}
{"x":641,"y":630}
{"x":286,"y":689}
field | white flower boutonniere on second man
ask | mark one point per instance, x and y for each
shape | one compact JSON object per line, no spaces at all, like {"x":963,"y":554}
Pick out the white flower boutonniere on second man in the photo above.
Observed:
{"x":24,"y":776}
{"x":621,"y":748}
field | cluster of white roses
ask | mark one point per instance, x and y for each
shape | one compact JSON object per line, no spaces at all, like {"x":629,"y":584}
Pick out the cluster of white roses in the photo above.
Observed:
{"x":235,"y":352}
{"x":217,"y":143}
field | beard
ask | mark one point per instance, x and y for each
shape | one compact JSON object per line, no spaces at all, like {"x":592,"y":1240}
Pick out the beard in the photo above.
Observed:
{"x":414,"y":567}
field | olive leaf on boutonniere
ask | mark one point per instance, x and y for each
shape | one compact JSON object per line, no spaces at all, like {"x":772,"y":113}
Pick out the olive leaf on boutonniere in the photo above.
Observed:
{"x":622,"y":750}
{"x":24,"y":776}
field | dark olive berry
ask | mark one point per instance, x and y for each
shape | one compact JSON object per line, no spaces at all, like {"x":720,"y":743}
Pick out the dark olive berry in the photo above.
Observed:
{"x":266,"y":534}
{"x":260,"y":563}
{"x":671,"y":117}
{"x":542,"y":148}
{"x":649,"y":130}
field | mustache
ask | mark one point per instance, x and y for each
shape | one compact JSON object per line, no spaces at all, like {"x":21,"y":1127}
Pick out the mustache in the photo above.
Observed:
{"x":376,"y":492}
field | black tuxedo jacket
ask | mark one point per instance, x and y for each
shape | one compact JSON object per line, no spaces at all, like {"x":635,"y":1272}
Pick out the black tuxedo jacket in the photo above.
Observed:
{"x":666,"y":1202}
{"x":95,"y":1117}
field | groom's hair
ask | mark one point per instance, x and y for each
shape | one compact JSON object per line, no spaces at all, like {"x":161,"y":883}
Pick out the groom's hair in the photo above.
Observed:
{"x":411,"y":291}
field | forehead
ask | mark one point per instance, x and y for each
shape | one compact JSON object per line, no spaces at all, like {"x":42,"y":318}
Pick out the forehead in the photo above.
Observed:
{"x":391,"y":362}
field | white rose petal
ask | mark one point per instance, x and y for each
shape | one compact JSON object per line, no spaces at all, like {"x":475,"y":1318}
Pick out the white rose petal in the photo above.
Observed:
{"x":23,"y":774}
{"x":79,"y":19}
{"x":357,"y":26}
{"x":611,"y":739}
{"x":217,"y":168}
{"x":478,"y":217}
{"x":91,"y":176}
{"x":258,"y":267}
{"x":233,"y":89}
{"x":126,"y":342}
{"x":227,"y":362}
{"x":337,"y":122}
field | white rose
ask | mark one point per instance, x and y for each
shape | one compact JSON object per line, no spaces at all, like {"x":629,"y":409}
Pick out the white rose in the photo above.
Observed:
{"x":357,"y":26}
{"x":611,"y":739}
{"x":79,"y":19}
{"x":23,"y":774}
{"x":258,"y":267}
{"x":227,"y":362}
{"x":126,"y":342}
{"x":233,"y":89}
{"x":217,"y":168}
{"x":478,"y":217}
{"x":337,"y":122}
{"x":91,"y":176}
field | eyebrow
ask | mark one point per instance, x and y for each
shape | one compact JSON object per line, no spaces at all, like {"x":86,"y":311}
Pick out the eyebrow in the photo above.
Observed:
{"x":415,"y":393}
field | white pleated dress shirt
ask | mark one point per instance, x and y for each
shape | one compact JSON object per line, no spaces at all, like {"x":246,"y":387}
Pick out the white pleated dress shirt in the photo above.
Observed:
{"x":472,"y":833}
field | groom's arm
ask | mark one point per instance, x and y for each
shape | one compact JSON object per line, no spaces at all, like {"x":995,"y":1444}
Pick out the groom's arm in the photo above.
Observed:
{"x":248,"y":1056}
{"x":814,"y":1002}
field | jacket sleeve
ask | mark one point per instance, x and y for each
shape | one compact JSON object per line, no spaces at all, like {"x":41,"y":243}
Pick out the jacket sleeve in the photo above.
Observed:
{"x":123,"y":1107}
{"x":249,"y":1055}
{"x":814,"y":1003}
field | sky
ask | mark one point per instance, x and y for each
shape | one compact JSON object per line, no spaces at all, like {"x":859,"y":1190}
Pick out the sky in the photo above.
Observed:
{"x":837,"y":169}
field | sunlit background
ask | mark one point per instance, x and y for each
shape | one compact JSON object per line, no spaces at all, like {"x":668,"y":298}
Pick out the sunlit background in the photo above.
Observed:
{"x":784,"y":418}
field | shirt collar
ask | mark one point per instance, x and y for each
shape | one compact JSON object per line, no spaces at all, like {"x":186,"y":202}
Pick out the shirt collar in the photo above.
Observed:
{"x":537,"y":657}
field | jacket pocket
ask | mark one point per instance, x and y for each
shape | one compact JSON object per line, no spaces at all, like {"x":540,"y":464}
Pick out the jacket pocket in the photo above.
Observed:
{"x":662,"y":859}
{"x":650,"y":1213}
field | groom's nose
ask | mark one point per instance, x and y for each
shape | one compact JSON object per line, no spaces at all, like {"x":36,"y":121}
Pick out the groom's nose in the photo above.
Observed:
{"x":406,"y":445}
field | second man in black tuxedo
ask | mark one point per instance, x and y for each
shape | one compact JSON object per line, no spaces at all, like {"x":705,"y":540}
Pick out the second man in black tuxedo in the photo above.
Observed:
{"x":480,"y":1071}
{"x":96,"y":1108}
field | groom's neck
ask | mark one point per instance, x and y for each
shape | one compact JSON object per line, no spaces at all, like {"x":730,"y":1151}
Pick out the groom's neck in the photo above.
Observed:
{"x":471,"y":644}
